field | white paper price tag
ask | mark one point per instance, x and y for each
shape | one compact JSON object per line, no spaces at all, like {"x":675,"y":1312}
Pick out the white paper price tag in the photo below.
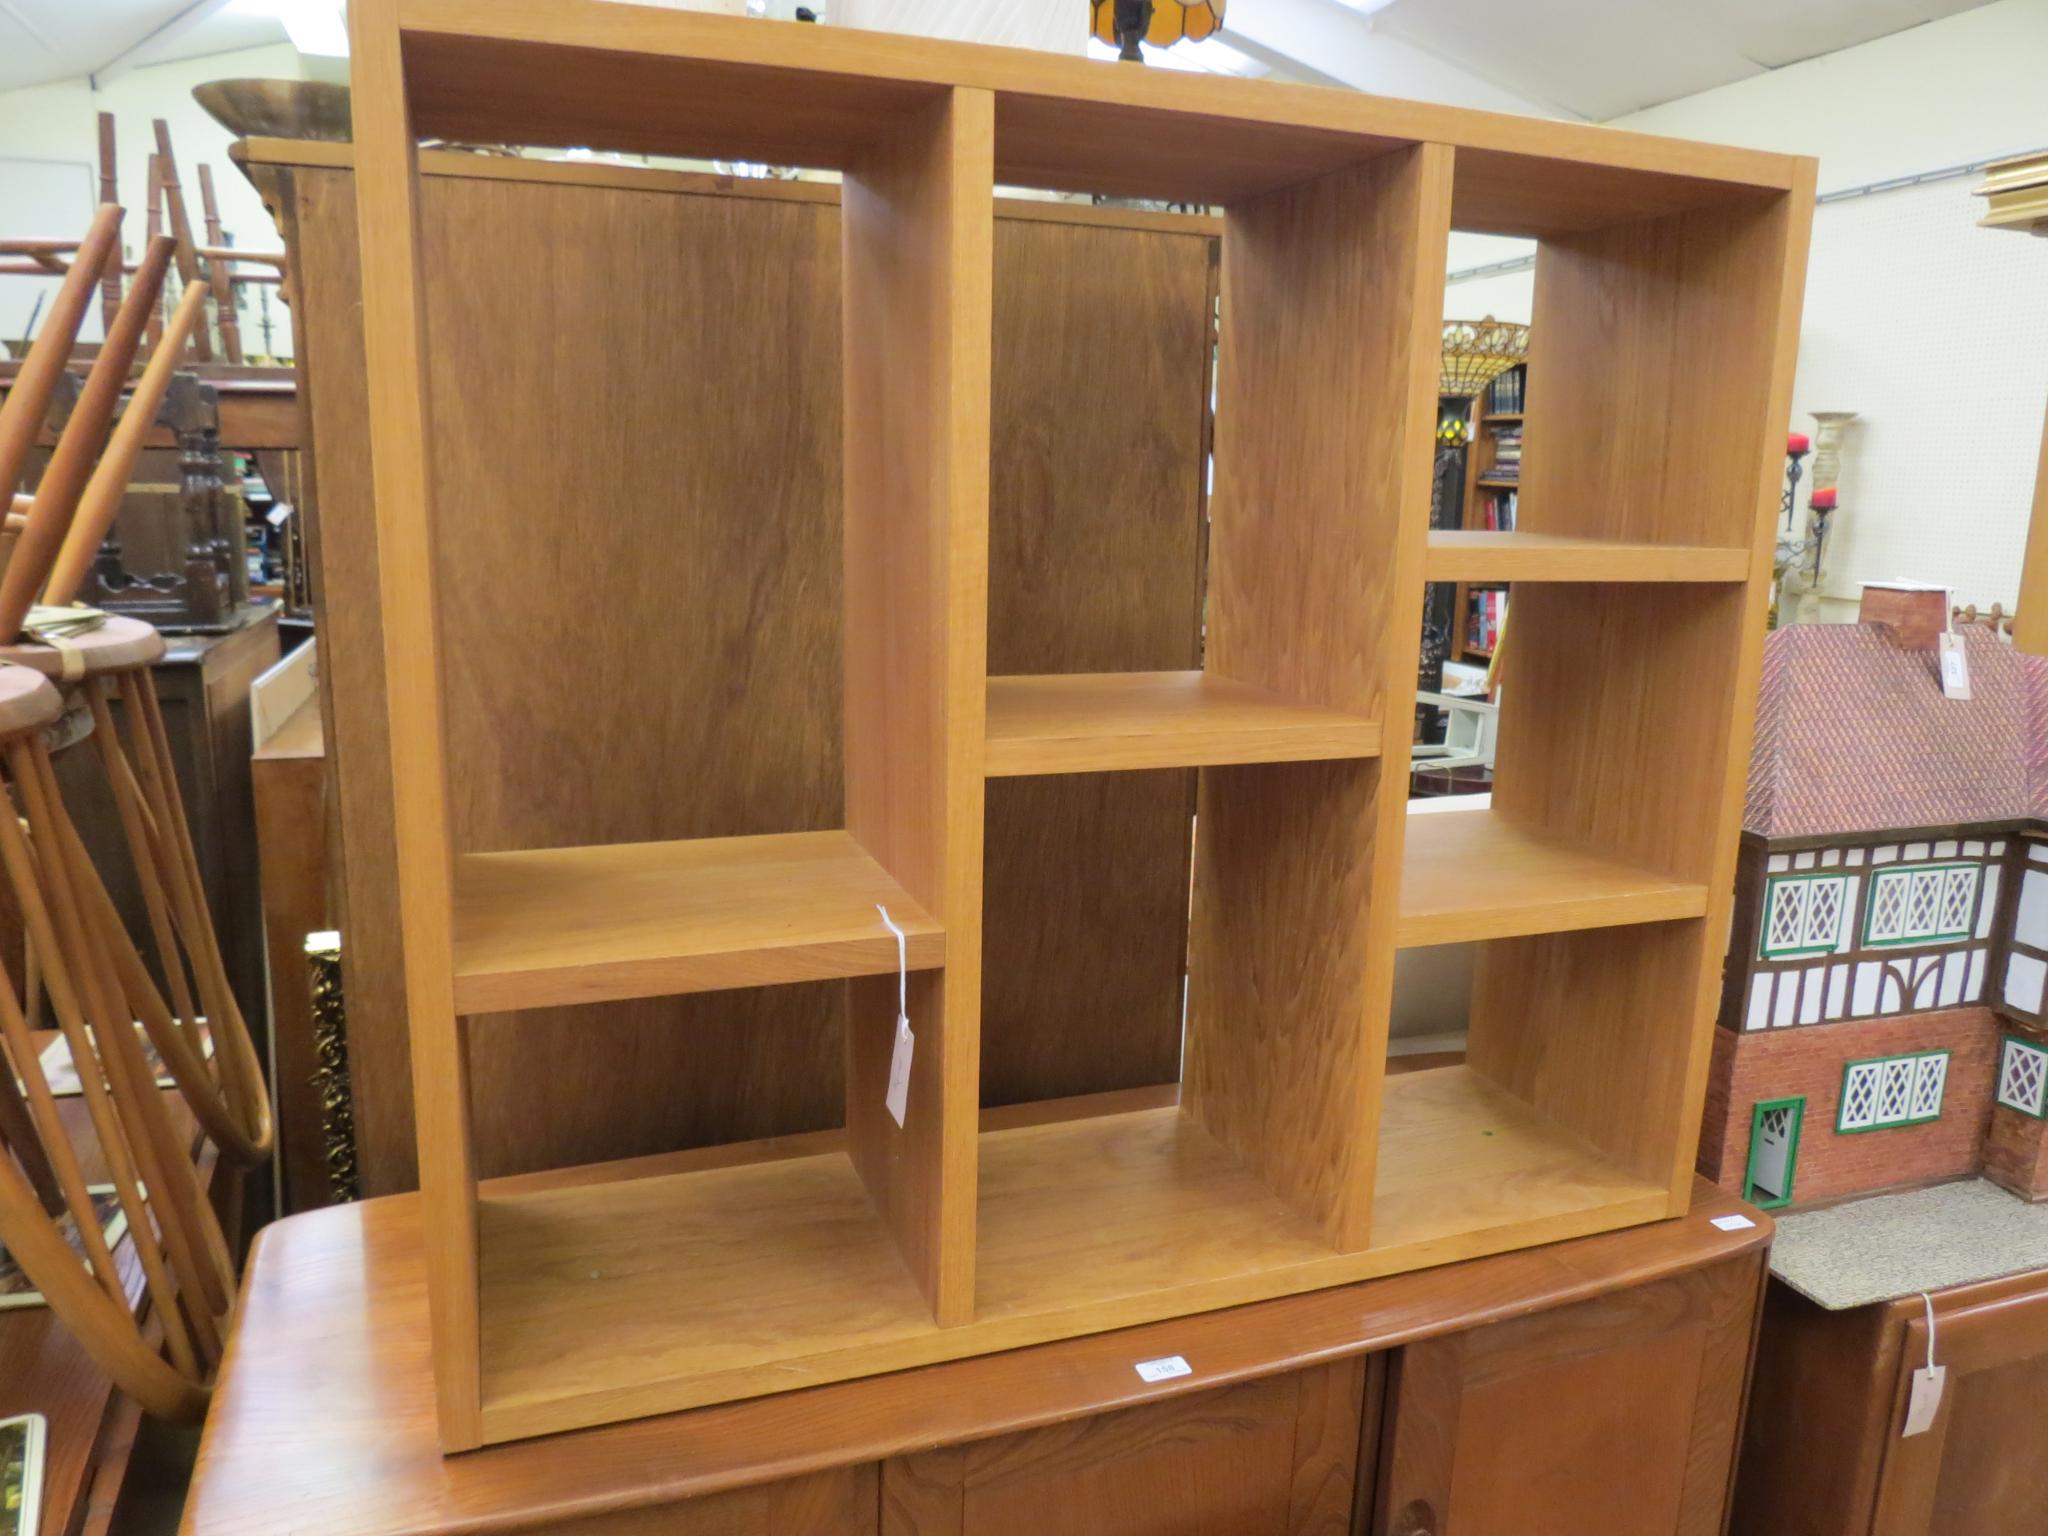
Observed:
{"x":1165,"y":1368}
{"x":897,"y":1100}
{"x":1925,"y":1402}
{"x":1732,"y":1223}
{"x":1955,"y":667}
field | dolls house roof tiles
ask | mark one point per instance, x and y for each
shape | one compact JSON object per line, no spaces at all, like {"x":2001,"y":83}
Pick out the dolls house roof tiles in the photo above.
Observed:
{"x":1853,"y":734}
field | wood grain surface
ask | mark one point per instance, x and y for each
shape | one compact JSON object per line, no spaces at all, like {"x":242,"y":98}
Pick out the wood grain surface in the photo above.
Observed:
{"x":1322,"y":454}
{"x":1477,"y":554}
{"x":324,"y":1423}
{"x":916,"y":228}
{"x":1618,"y":1414}
{"x":1115,"y":721}
{"x":761,"y":1269}
{"x":535,"y":71}
{"x":1477,"y":874}
{"x":1115,"y":313}
{"x":402,"y":438}
{"x":1100,"y":403}
{"x":551,"y":926}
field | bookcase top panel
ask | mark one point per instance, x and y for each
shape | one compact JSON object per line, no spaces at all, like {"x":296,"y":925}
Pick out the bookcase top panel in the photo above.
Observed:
{"x":647,"y":79}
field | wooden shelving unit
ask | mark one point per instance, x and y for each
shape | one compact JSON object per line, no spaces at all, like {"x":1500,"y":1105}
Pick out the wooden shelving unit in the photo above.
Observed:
{"x":1288,"y":1159}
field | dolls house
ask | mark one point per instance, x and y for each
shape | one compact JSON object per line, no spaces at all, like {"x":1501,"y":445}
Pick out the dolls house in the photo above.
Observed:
{"x":1882,"y":1020}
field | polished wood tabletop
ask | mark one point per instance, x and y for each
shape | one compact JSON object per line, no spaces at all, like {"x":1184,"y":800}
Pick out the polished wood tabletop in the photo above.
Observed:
{"x":324,"y":1421}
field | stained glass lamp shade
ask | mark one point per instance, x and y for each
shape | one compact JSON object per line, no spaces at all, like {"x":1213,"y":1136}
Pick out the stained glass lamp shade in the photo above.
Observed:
{"x":1171,"y":21}
{"x":1476,"y":352}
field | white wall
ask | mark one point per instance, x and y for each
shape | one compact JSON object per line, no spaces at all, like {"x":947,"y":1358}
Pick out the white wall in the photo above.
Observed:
{"x":1934,"y":330}
{"x":49,"y":167}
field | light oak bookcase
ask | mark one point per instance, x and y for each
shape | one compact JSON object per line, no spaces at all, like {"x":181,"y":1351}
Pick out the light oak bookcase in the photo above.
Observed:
{"x":1668,"y":290}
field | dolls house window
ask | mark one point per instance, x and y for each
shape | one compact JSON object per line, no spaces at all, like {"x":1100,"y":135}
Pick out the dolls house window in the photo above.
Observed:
{"x":2023,"y":1077}
{"x":1803,"y":915}
{"x":1892,"y":1090}
{"x":1930,"y":904}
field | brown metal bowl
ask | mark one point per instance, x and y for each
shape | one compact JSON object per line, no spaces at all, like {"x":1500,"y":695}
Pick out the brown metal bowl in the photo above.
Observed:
{"x":278,"y":109}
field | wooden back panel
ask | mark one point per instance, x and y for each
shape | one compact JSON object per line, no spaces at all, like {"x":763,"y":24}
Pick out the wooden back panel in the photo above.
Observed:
{"x":731,"y":402}
{"x":1100,"y":407}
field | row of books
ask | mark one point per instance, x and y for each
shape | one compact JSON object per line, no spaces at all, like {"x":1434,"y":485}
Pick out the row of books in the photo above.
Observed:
{"x":1507,"y":454}
{"x":1497,"y":510}
{"x":1509,"y":390}
{"x":1485,"y":611}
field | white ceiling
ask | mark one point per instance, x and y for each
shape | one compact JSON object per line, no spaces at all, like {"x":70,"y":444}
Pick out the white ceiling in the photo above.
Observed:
{"x":1593,"y":59}
{"x":1598,"y":59}
{"x":44,"y":40}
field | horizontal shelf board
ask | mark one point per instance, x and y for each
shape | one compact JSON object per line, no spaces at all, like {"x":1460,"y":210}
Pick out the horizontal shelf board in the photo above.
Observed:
{"x":1477,"y":554}
{"x":1461,"y":1159}
{"x":552,"y":926}
{"x":1476,"y":875}
{"x":603,"y":1301}
{"x":536,"y":72}
{"x":1105,"y":721}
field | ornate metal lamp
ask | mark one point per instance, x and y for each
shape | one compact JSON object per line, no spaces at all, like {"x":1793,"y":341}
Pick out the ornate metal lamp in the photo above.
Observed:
{"x":1476,"y":352}
{"x":1124,"y":24}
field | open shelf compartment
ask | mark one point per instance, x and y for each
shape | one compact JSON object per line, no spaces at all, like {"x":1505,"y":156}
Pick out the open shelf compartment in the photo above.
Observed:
{"x":764,"y":1267}
{"x":1476,"y":874}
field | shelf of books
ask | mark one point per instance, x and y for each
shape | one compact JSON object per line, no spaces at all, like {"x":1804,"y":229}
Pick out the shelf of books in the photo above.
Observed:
{"x":1493,"y":470}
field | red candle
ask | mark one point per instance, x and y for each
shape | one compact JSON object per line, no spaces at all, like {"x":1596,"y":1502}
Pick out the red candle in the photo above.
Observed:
{"x":1796,"y":442}
{"x":1823,"y":500}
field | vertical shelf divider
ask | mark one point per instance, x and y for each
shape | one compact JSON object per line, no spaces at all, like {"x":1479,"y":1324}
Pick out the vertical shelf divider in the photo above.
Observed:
{"x":1332,"y":302}
{"x":395,"y":352}
{"x":918,"y":233}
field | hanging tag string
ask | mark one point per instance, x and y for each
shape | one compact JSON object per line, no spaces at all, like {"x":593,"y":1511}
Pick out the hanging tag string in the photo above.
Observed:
{"x":902,"y":965}
{"x":1928,"y":1302}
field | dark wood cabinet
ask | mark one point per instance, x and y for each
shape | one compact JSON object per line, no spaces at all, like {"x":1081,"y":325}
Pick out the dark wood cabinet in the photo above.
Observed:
{"x":1595,"y":1385}
{"x":1618,"y":1415}
{"x":1825,"y":1455}
{"x":1277,"y":1455}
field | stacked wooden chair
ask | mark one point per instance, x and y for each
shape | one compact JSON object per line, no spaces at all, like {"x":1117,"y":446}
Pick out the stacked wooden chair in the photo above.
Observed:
{"x":54,"y":657}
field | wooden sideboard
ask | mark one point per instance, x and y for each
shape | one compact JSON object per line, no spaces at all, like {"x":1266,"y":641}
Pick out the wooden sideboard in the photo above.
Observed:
{"x":1594,"y":1385}
{"x":1825,"y":1455}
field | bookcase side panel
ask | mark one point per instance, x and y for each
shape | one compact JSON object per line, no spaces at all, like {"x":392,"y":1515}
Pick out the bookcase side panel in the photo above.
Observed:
{"x":917,"y":235}
{"x":1332,"y":299}
{"x":394,"y":342}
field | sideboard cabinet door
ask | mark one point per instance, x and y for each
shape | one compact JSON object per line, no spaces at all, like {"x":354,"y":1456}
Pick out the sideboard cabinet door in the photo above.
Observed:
{"x":1617,"y":1415}
{"x":1978,"y":1469}
{"x":1272,"y":1457}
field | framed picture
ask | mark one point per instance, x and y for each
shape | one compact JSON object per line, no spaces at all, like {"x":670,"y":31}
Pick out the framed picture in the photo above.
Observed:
{"x":21,"y":1473}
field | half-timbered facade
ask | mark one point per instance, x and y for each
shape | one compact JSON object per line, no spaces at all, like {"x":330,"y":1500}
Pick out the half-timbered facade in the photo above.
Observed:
{"x":1887,"y":974}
